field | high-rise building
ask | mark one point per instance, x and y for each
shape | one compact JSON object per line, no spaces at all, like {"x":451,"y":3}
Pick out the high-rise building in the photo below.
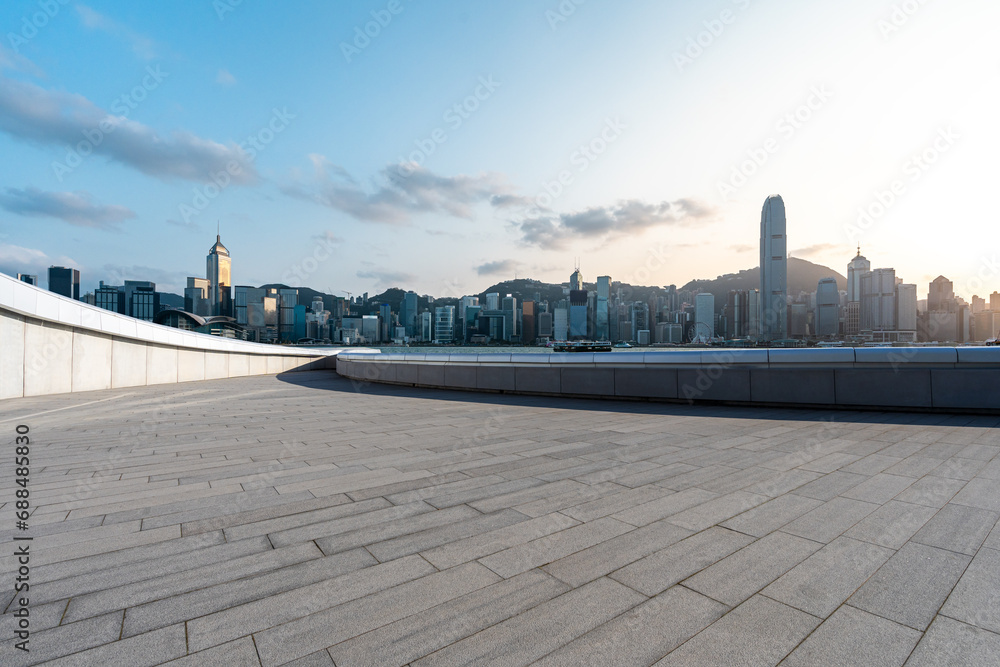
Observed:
{"x":219,"y":274}
{"x":995,"y":302}
{"x":110,"y":298}
{"x":141,"y":299}
{"x":878,"y":300}
{"x":408,"y":313}
{"x":492,"y":301}
{"x":28,"y":278}
{"x":858,"y":267}
{"x":65,"y":281}
{"x":704,"y":317}
{"x":576,"y":280}
{"x":577,"y":313}
{"x":444,"y":324}
{"x":560,"y":322}
{"x":827,"y":308}
{"x":639,"y":319}
{"x":773,"y":270}
{"x":426,"y":328}
{"x":385,"y":322}
{"x":906,"y":307}
{"x":510,"y":319}
{"x":941,"y":296}
{"x":601,"y":328}
{"x":196,"y":297}
{"x":528,"y":315}
{"x":544,"y":325}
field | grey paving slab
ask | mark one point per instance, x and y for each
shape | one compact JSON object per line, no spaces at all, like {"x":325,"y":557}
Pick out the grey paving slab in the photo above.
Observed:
{"x":490,"y":542}
{"x":522,"y":557}
{"x":388,"y":530}
{"x":416,"y":636}
{"x":533,"y":634}
{"x":772,"y":515}
{"x":300,"y":637}
{"x":591,"y":563}
{"x":932,"y":491}
{"x":979,"y":492}
{"x":238,"y":621}
{"x":192,"y":514}
{"x":661,"y":570}
{"x":737,"y":577}
{"x":852,"y":637}
{"x":830,"y":520}
{"x":665,"y":506}
{"x":830,"y":486}
{"x":717,"y":510}
{"x":643,"y":634}
{"x":152,"y":648}
{"x":423,"y":540}
{"x":952,"y":643}
{"x":892,"y":524}
{"x":823,"y":581}
{"x":880,"y":488}
{"x":60,"y":641}
{"x":758,"y":632}
{"x":204,"y":601}
{"x":976,"y":598}
{"x":238,"y":653}
{"x":912,"y":585}
{"x":617,"y":502}
{"x":958,"y":528}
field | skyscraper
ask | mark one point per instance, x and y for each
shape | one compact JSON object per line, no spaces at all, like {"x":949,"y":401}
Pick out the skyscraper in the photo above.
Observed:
{"x":704,"y":317}
{"x":576,"y":280}
{"x":858,"y":267}
{"x":773,"y":270}
{"x":827,"y":308}
{"x":601,"y":327}
{"x":64,"y":281}
{"x":219,"y":266}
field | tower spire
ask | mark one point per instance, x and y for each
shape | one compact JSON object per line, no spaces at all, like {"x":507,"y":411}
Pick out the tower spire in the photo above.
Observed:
{"x":218,"y":230}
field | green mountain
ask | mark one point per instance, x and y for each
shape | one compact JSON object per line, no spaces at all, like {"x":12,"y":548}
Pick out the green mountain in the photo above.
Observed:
{"x":803,"y":276}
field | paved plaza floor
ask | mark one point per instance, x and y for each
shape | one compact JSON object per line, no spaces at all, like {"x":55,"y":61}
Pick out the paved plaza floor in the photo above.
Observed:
{"x":304,"y":519}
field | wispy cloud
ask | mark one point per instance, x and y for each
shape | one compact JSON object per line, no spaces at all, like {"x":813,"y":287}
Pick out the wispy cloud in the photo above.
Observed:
{"x":502,"y":266}
{"x":166,"y":280}
{"x":225,"y":78}
{"x":628,"y":217}
{"x":18,"y":259}
{"x":742,"y":247}
{"x":15,"y":62}
{"x":399,"y":192}
{"x":141,"y":45}
{"x":385,"y":279}
{"x":31,"y":113}
{"x":76,"y":208}
{"x":813,"y":250}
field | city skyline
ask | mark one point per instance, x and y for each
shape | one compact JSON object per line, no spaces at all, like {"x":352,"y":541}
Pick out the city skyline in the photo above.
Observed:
{"x":521,"y":167}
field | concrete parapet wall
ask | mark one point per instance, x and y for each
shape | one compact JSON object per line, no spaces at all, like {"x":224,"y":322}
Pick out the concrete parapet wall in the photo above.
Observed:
{"x":944,"y":379}
{"x":53,"y":345}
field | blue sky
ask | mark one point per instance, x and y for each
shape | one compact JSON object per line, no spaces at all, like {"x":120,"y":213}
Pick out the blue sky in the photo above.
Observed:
{"x":461,"y":143}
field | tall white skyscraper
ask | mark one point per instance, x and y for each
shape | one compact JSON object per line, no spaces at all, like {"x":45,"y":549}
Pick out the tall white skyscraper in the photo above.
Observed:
{"x":858,"y":267}
{"x":773,"y":270}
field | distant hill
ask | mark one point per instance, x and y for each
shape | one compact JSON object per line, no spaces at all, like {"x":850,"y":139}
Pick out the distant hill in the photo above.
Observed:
{"x":803,"y":276}
{"x":171,"y":300}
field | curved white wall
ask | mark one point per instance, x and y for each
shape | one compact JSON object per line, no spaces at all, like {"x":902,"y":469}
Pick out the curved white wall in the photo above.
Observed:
{"x":51,"y":345}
